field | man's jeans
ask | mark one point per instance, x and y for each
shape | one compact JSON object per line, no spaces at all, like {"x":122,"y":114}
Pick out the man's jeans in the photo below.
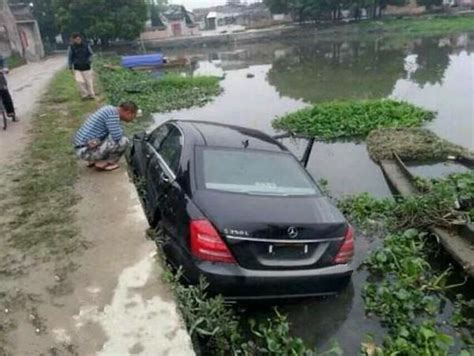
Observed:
{"x":108,"y":150}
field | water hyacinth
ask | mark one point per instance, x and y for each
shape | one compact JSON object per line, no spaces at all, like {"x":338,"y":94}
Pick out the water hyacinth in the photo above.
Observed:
{"x":349,"y":119}
{"x":164,"y":93}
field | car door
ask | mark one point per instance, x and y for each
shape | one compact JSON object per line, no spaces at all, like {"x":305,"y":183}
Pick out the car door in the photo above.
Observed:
{"x":165,"y":153}
{"x":146,"y":147}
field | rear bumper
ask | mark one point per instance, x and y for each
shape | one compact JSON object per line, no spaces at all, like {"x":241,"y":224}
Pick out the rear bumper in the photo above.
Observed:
{"x":234,"y":282}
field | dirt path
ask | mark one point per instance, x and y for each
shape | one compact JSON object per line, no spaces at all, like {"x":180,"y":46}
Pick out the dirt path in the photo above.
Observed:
{"x":111,"y":299}
{"x":26,"y":85}
{"x":107,"y":299}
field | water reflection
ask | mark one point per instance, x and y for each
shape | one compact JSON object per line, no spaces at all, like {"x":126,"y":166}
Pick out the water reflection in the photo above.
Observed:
{"x":340,"y":70}
{"x":432,"y":56}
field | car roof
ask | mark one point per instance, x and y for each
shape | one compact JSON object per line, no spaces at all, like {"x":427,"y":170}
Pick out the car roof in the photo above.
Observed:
{"x":214,"y":134}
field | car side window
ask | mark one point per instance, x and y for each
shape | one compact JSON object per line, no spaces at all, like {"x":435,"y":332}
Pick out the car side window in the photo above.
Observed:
{"x":171,"y":148}
{"x":156,"y":137}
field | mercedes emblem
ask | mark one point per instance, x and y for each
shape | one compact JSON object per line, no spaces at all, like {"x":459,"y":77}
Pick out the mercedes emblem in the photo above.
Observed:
{"x":293,"y":232}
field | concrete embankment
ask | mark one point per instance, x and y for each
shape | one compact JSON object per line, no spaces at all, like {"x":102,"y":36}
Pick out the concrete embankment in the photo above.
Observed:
{"x":220,"y":39}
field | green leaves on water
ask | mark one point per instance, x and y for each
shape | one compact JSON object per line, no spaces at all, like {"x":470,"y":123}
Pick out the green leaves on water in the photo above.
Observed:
{"x":405,"y":291}
{"x":352,"y":118}
{"x":435,"y":207}
{"x":162,"y":93}
{"x":406,"y":299}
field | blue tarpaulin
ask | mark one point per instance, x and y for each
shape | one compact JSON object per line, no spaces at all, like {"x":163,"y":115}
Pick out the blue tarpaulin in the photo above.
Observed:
{"x":145,"y":60}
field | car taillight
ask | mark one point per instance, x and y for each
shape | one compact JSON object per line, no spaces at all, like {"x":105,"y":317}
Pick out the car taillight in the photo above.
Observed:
{"x":206,"y":244}
{"x":346,"y":251}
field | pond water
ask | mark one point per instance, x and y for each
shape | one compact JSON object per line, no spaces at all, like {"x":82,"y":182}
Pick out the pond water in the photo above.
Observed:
{"x":436,"y":73}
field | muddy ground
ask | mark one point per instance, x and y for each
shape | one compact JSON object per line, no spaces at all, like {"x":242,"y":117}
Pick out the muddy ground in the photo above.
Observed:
{"x":105,"y":298}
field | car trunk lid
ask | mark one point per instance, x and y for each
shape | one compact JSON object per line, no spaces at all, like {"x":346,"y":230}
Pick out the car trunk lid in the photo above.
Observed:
{"x":268,"y":232}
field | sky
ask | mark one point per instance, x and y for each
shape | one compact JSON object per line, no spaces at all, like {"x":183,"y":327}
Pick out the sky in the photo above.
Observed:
{"x":193,"y":4}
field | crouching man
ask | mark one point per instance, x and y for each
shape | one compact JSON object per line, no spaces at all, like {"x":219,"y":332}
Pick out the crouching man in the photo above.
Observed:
{"x":100,"y":141}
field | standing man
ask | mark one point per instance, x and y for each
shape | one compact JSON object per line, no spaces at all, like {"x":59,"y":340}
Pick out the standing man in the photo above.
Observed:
{"x":4,"y":93}
{"x":101,"y":140}
{"x":79,"y":58}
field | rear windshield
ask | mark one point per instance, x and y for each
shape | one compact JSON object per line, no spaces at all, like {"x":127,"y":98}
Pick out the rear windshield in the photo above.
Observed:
{"x":253,"y":172}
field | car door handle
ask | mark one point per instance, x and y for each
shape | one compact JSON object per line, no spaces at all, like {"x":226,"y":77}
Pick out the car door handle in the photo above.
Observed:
{"x":164,"y":177}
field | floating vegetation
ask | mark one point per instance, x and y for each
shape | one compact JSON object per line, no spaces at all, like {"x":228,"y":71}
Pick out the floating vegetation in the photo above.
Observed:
{"x":445,"y":202}
{"x":405,"y":291}
{"x":409,"y":299}
{"x":152,"y":94}
{"x":410,"y":144}
{"x":352,"y":119}
{"x":217,"y":329}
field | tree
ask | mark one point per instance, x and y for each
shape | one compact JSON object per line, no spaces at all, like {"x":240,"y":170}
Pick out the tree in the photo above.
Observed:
{"x":103,"y":20}
{"x":278,"y":6}
{"x":155,"y":8}
{"x":316,"y":10}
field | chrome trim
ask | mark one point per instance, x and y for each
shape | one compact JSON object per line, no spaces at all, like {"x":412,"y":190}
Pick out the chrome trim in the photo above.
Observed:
{"x":256,"y":239}
{"x":169,"y":172}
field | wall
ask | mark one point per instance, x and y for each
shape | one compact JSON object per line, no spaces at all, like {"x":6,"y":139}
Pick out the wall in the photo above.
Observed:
{"x":12,"y":44}
{"x":33,"y":48}
{"x":410,"y":9}
{"x":466,"y":3}
{"x":153,"y":34}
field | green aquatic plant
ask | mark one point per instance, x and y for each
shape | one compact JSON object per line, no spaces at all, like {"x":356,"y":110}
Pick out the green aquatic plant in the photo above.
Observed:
{"x":445,"y":202}
{"x":405,"y":291}
{"x":352,"y":119}
{"x":218,"y":330}
{"x":157,"y":94}
{"x":408,"y":298}
{"x":363,"y":208}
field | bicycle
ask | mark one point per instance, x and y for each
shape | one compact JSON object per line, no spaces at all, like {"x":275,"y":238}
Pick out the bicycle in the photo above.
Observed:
{"x":4,"y":114}
{"x":5,"y":100}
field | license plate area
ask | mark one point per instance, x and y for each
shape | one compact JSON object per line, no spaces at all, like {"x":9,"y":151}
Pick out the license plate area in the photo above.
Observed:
{"x":288,"y":251}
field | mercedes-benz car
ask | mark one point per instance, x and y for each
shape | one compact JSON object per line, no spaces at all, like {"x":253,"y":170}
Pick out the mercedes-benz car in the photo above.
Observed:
{"x":236,"y":206}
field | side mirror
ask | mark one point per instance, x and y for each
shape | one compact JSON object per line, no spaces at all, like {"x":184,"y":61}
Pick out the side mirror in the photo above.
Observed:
{"x":140,"y":136}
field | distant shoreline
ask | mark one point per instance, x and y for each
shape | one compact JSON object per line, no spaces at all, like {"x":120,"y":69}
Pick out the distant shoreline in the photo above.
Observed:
{"x":427,"y":24}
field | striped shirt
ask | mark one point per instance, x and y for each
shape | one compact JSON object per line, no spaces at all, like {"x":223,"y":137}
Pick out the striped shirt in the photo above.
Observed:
{"x":104,"y":122}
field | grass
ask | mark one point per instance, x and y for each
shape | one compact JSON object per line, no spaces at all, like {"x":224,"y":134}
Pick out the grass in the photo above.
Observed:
{"x":44,"y":180}
{"x":337,"y":120}
{"x":431,"y":25}
{"x":15,"y":61}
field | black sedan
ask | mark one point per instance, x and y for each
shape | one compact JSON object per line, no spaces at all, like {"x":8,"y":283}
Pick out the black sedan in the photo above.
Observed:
{"x":234,"y":205}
